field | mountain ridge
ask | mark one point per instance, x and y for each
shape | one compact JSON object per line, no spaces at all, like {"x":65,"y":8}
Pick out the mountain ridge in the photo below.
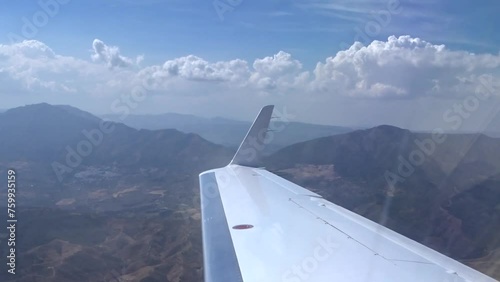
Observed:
{"x":58,"y":131}
{"x":229,"y":132}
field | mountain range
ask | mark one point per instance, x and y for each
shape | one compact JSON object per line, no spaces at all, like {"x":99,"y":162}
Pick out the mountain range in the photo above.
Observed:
{"x":230,"y":132}
{"x":103,"y":201}
{"x":48,"y":133}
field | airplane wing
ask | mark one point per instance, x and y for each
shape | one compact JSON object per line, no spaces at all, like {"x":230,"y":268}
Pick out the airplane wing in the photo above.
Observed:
{"x":260,"y":227}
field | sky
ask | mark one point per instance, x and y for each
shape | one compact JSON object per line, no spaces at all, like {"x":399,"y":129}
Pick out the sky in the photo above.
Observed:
{"x":414,"y":64}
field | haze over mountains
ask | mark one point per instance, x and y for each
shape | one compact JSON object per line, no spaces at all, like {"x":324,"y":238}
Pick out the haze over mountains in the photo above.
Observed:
{"x":229,"y":132}
{"x":493,"y":129}
{"x":59,"y":130}
{"x":127,"y":208}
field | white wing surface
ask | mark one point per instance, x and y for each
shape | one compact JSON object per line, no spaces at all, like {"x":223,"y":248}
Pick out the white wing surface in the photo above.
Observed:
{"x":260,"y":227}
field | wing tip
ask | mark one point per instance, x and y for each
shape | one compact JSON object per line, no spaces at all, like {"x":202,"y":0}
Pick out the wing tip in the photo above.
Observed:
{"x":250,"y":150}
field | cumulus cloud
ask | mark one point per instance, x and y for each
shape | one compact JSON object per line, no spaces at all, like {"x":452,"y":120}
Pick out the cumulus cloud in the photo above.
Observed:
{"x":186,"y":72}
{"x":29,"y":49}
{"x":194,"y":68}
{"x":279,"y":64}
{"x":109,"y":55}
{"x":27,"y":66}
{"x":31,"y":66}
{"x":278,"y":71}
{"x":403,"y":67}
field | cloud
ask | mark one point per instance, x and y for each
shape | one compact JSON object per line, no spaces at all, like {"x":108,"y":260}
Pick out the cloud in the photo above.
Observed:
{"x":139,"y":59}
{"x":403,"y":67}
{"x":184,"y":73}
{"x":32,"y":67}
{"x":194,"y":68}
{"x":110,"y":55}
{"x":27,"y":66}
{"x":399,"y":68}
{"x":29,"y":49}
{"x":280,"y":14}
{"x":279,"y":71}
{"x":346,"y":10}
{"x":279,"y":64}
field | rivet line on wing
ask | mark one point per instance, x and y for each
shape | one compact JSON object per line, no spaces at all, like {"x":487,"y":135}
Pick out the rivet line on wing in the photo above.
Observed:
{"x":341,"y":231}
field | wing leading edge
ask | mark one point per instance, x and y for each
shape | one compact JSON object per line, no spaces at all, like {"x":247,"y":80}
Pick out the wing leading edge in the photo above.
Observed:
{"x":260,"y":227}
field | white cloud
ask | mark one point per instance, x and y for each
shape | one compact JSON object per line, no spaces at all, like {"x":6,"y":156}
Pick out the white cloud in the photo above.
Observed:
{"x":279,"y":64}
{"x":398,"y":68}
{"x":110,"y":55}
{"x":27,"y":66}
{"x":195,"y":68}
{"x":29,"y":48}
{"x":32,"y":67}
{"x":183,"y":74}
{"x":279,"y":71}
{"x":403,"y":67}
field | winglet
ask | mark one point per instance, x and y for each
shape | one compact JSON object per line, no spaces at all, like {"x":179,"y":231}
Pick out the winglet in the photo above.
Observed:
{"x":250,"y":151}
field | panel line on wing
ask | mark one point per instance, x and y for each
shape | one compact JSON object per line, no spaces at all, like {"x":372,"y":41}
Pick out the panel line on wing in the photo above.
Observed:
{"x":349,"y":236}
{"x":338,"y":229}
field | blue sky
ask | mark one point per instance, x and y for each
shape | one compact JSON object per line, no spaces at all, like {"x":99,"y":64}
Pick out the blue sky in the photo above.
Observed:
{"x":163,"y":29}
{"x":280,"y":44}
